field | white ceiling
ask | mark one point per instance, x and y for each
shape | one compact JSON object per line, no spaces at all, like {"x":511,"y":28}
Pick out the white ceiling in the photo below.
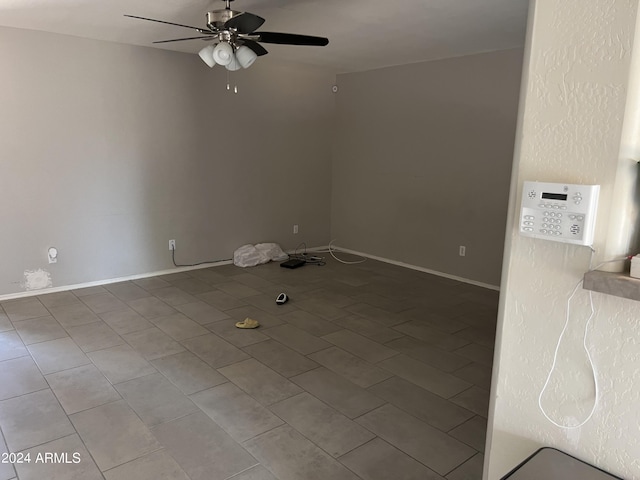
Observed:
{"x":363,"y":34}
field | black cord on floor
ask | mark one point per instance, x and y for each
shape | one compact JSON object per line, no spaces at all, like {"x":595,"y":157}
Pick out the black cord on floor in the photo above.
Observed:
{"x":173,"y":257}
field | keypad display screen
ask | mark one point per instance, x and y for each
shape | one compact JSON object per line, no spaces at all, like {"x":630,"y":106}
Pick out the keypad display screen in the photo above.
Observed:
{"x":554,"y":196}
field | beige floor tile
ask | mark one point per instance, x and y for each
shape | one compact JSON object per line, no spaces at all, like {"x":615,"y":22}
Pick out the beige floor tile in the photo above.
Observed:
{"x":173,"y":296}
{"x":73,"y":314}
{"x":56,"y":355}
{"x":474,"y":399}
{"x":428,"y":407}
{"x":188,"y":372}
{"x":470,"y":470}
{"x":343,"y":395}
{"x":83,"y":292}
{"x":178,"y":326}
{"x":215,"y":351}
{"x":321,"y":309}
{"x":436,"y":357}
{"x":221,"y":300}
{"x":114,"y":434}
{"x":290,"y":456}
{"x":40,"y":329}
{"x":190,"y":285}
{"x":255,"y":473}
{"x":24,"y":309}
{"x":201,"y":312}
{"x":484,"y":336}
{"x":155,"y":399}
{"x":282,"y":359}
{"x":479,"y":375}
{"x":425,"y":376}
{"x":56,"y":299}
{"x":383,"y":317}
{"x":299,"y":340}
{"x":440,"y":321}
{"x":473,"y":432}
{"x":19,"y":376}
{"x":477,"y":353}
{"x":203,"y":449}
{"x":127,"y":291}
{"x":430,"y":446}
{"x":5,"y":323}
{"x":103,"y":302}
{"x":368,"y":328}
{"x":259,"y":381}
{"x":324,"y":426}
{"x":154,"y":466}
{"x":377,"y":460}
{"x":350,"y":367}
{"x":33,"y":419}
{"x":74,"y":462}
{"x":94,"y":336}
{"x":237,"y":290}
{"x":151,"y":307}
{"x":121,"y":363}
{"x":360,"y":346}
{"x":433,"y":336}
{"x":151,"y":283}
{"x":310,"y":323}
{"x":237,"y":413}
{"x":81,"y":388}
{"x":152,"y":343}
{"x":11,"y":346}
{"x":125,"y":321}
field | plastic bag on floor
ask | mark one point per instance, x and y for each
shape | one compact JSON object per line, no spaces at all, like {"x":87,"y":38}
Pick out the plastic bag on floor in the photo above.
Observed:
{"x":250,"y":255}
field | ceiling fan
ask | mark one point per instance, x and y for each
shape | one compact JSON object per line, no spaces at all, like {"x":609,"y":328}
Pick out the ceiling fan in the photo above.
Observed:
{"x":236,"y":43}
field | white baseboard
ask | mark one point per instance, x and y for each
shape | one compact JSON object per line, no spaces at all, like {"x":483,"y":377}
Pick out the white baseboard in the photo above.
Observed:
{"x":420,"y":269}
{"x":97,"y":283}
{"x":44,"y":291}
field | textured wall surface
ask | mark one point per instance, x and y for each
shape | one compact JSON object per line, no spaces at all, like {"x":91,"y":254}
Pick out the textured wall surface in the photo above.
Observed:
{"x":571,"y":120}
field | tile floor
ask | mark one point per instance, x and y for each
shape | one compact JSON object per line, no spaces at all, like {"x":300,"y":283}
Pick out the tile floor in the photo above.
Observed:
{"x":370,"y":371}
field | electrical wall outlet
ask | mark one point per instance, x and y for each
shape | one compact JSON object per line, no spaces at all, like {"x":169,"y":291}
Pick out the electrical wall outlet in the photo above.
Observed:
{"x":463,"y":250}
{"x":172,"y":244}
{"x":52,"y":254}
{"x":295,"y":229}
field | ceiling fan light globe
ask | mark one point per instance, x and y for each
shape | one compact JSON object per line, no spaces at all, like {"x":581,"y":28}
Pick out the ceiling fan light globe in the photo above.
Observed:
{"x":233,"y":64}
{"x":206,"y":54}
{"x":223,"y":53}
{"x":245,"y":56}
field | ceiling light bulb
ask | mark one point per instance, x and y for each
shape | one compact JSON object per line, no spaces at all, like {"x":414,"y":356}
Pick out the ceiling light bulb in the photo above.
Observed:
{"x":246,"y":56}
{"x":206,"y":54}
{"x":223,"y":53}
{"x":233,"y":64}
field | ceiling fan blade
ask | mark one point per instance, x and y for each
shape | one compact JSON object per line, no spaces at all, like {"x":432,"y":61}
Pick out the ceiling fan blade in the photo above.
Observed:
{"x":181,"y":39}
{"x":244,"y":22}
{"x":258,"y":49}
{"x":291,"y":39}
{"x":198,"y":29}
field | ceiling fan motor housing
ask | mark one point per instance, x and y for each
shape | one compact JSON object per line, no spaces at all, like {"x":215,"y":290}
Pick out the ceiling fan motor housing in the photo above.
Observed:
{"x":217,"y":18}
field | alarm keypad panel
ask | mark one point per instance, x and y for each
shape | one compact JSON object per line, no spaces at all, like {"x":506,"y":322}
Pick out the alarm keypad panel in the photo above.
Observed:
{"x":559,"y":212}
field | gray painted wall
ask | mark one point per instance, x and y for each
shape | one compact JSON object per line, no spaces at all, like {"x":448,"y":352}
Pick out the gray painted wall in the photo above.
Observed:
{"x":422,"y":162}
{"x":108,"y":151}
